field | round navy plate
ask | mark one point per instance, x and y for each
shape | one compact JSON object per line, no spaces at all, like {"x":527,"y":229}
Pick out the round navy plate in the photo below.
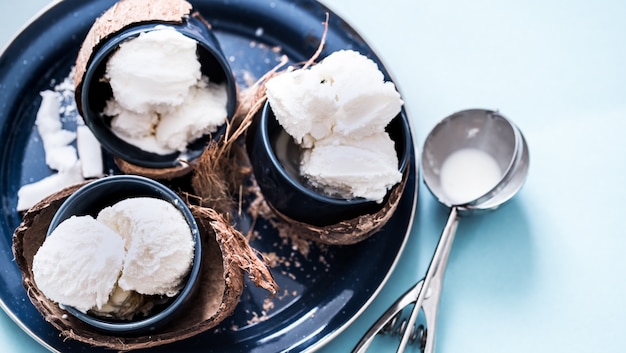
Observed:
{"x":322,"y":290}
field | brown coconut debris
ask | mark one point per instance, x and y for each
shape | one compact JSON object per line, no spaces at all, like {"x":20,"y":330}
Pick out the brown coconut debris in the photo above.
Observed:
{"x":225,"y":256}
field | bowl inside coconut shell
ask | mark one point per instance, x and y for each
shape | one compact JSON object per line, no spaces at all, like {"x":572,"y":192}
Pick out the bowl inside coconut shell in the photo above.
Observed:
{"x":226,"y":256}
{"x":275,"y":163}
{"x":93,"y":92}
{"x":95,"y":196}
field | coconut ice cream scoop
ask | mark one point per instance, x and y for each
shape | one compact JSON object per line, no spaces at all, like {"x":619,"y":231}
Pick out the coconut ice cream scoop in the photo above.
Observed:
{"x":161,"y":100}
{"x":159,"y":244}
{"x":79,"y":263}
{"x":121,"y":15}
{"x":154,"y":71}
{"x":349,"y":168}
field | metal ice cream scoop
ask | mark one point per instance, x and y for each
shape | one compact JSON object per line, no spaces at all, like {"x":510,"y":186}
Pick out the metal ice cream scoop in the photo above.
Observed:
{"x":472,"y":161}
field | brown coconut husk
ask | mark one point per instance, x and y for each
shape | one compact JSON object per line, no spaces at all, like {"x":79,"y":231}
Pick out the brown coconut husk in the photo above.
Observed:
{"x":217,"y":177}
{"x":346,"y":232}
{"x":226,"y":255}
{"x":126,"y":167}
{"x":223,"y":168}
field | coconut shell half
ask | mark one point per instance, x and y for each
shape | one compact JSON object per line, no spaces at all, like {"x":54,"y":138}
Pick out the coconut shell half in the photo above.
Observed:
{"x":154,"y":173}
{"x":350,"y":231}
{"x":225,"y":256}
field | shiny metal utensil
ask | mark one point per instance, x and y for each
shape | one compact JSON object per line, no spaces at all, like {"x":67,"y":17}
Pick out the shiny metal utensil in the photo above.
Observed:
{"x":479,"y":130}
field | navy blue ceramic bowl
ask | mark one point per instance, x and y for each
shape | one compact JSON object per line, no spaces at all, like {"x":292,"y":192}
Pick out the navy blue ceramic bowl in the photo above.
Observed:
{"x":93,"y":197}
{"x":275,"y":160}
{"x":95,"y":92}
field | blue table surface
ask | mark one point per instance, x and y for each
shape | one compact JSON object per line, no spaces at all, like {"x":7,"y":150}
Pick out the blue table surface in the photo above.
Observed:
{"x":545,"y":273}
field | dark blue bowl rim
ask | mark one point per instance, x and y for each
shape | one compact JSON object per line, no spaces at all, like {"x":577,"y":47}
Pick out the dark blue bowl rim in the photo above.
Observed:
{"x":180,"y":298}
{"x":404,"y":159}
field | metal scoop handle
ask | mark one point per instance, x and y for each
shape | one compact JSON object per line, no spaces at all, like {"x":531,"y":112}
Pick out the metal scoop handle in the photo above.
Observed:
{"x":424,"y":295}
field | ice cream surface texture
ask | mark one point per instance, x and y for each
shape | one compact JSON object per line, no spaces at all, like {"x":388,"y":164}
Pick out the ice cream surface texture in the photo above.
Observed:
{"x":161,"y":101}
{"x":79,"y":263}
{"x":139,"y":244}
{"x":337,"y":111}
{"x":364,"y":167}
{"x":159,"y":245}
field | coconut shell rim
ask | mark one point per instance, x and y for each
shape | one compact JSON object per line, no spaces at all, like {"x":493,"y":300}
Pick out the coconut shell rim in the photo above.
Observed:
{"x":349,"y":231}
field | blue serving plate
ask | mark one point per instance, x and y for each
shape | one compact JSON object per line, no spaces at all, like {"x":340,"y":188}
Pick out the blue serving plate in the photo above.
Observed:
{"x":321,"y":293}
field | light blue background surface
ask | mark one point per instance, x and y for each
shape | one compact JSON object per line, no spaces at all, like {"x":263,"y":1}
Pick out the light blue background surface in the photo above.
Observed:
{"x":546,"y":273}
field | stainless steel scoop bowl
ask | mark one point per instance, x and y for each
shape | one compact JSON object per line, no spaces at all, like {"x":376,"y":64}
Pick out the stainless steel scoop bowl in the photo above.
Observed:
{"x":484,"y":130}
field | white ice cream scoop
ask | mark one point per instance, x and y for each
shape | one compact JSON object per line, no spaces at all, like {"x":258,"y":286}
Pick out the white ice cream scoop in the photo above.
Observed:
{"x":474,"y":160}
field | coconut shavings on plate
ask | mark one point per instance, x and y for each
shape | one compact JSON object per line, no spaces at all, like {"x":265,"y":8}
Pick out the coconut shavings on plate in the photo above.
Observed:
{"x":73,"y":155}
